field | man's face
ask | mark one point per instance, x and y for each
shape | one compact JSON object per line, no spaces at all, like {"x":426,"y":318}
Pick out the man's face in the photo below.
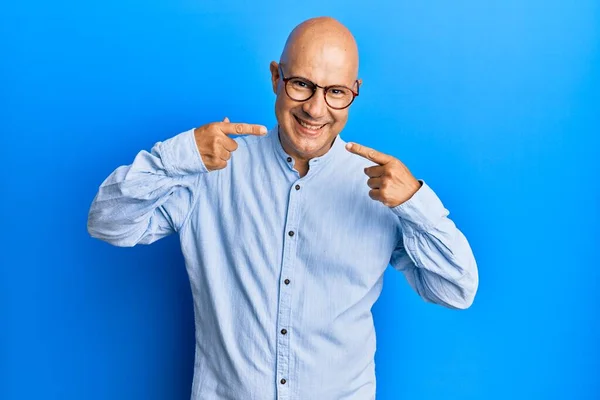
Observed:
{"x":308,"y":128}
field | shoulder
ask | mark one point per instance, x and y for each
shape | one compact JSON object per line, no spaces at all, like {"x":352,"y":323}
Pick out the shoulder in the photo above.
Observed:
{"x":252,"y":150}
{"x":353,"y":163}
{"x":252,"y":142}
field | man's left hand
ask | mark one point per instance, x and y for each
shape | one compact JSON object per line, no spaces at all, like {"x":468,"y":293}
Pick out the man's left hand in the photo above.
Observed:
{"x":390,"y":181}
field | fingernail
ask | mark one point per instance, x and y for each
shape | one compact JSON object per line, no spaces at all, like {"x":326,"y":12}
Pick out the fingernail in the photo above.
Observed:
{"x":348,"y":146}
{"x":263,"y":130}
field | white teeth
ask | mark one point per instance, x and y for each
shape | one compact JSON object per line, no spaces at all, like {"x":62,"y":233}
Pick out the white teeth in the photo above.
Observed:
{"x":311,"y":127}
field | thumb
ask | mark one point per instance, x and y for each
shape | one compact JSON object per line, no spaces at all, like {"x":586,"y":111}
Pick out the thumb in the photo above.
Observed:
{"x":226,"y":120}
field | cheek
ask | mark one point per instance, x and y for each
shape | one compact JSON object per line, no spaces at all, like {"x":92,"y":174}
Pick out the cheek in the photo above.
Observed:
{"x":339,"y":118}
{"x":283,"y":107}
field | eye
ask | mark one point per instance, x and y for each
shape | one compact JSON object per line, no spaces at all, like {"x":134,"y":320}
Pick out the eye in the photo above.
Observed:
{"x":300,"y":84}
{"x":338,"y":92}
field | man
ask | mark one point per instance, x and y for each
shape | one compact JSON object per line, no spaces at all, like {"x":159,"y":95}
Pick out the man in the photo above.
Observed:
{"x":286,"y":234}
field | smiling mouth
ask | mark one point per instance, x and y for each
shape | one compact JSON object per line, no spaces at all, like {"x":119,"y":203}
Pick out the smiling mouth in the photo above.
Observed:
{"x":308,"y":126}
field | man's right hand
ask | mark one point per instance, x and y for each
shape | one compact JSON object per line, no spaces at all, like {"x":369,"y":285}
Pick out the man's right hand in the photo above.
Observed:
{"x":215,"y":146}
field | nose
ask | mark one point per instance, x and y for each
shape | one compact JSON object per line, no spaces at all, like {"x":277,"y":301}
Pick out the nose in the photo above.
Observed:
{"x":316,"y":107}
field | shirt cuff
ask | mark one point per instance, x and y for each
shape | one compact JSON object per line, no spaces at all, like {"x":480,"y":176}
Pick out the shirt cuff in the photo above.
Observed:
{"x":180,"y":155}
{"x":424,"y":209}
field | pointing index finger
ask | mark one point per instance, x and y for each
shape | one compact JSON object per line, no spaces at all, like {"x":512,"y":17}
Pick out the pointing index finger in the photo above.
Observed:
{"x":242,"y":129}
{"x":368,"y":153}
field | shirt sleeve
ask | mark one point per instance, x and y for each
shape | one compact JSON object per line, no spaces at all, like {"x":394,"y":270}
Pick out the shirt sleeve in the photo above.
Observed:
{"x":433,"y":254}
{"x":151,"y":198}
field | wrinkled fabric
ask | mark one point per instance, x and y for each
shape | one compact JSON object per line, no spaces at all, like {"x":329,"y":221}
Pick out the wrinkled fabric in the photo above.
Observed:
{"x":283,"y":270}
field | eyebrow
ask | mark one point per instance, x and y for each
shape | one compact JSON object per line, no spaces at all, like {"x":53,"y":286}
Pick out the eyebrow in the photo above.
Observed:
{"x":313,"y":82}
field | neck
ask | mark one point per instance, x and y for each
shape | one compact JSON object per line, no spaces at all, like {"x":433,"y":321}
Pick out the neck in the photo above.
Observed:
{"x":300,"y":161}
{"x":299,"y":158}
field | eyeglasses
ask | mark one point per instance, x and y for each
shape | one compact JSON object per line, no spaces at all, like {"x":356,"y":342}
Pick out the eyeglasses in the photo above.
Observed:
{"x":337,"y":97}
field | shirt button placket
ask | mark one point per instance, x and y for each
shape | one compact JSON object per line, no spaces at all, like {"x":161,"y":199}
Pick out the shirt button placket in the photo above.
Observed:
{"x":287,"y":269}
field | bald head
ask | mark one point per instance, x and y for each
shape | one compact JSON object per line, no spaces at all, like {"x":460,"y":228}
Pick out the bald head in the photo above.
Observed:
{"x":323,"y":41}
{"x":321,"y":52}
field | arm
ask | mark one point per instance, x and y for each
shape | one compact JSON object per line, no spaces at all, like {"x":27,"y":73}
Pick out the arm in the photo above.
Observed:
{"x":433,"y":254}
{"x":151,"y":198}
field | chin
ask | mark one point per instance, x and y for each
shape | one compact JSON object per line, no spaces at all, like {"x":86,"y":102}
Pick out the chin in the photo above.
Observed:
{"x":309,"y":144}
{"x":308,"y":150}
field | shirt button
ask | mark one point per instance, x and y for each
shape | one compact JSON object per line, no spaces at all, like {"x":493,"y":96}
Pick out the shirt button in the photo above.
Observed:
{"x":283,"y":331}
{"x":287,"y":281}
{"x":297,"y":187}
{"x":283,"y":381}
{"x":289,"y":159}
{"x":291,"y":233}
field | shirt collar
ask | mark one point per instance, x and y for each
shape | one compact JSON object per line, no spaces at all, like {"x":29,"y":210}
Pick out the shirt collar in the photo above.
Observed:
{"x":337,"y":148}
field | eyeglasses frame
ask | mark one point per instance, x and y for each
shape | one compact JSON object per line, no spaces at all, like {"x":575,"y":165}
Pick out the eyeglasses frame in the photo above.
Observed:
{"x":315,"y":87}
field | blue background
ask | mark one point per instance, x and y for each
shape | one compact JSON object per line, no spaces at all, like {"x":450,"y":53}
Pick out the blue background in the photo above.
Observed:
{"x":495,"y":104}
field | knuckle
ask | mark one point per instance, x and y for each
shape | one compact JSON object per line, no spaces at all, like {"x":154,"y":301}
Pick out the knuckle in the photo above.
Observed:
{"x":239,"y":128}
{"x":219,"y":164}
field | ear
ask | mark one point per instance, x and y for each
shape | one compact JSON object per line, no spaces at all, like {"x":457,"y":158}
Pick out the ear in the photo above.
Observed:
{"x":274,"y":75}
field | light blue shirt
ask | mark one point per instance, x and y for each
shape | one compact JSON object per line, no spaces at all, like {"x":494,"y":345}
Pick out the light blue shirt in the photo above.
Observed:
{"x":283,"y":270}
